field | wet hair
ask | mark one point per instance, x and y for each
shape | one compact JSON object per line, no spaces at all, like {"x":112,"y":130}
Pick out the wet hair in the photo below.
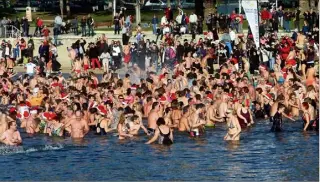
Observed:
{"x":305,"y":105}
{"x":134,"y":117}
{"x":245,"y":89}
{"x":149,"y":99}
{"x":154,"y":105}
{"x":85,"y":106}
{"x":280,"y":97}
{"x":122,"y":119}
{"x":175,"y":104}
{"x":10,"y":124}
{"x":185,"y":109}
{"x":93,"y":110}
{"x":281,"y":106}
{"x":128,"y":91}
{"x":200,"y":106}
{"x":259,"y":90}
{"x":161,"y":121}
{"x":167,"y":110}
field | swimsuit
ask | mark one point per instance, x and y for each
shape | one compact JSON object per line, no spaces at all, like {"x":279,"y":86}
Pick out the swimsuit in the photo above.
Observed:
{"x":151,"y":130}
{"x":277,"y":122}
{"x":42,"y":126}
{"x":56,"y":132}
{"x":311,"y":122}
{"x":164,"y":139}
{"x":99,"y":130}
{"x":241,"y":121}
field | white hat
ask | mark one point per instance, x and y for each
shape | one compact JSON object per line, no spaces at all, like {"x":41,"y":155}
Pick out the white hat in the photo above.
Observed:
{"x":33,"y":111}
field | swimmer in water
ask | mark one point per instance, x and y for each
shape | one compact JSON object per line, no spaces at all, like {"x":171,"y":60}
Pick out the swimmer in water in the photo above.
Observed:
{"x":79,"y":127}
{"x":234,"y":128}
{"x":11,"y":136}
{"x":277,"y":119}
{"x":163,"y":133}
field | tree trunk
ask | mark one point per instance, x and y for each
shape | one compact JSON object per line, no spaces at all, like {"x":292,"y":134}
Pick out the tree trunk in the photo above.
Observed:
{"x":61,"y":8}
{"x":313,"y":4}
{"x":304,"y":5}
{"x":138,"y":17}
{"x":68,"y":8}
{"x":4,"y":4}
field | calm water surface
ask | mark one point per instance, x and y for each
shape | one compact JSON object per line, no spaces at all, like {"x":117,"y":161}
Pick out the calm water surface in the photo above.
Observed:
{"x":261,"y":155}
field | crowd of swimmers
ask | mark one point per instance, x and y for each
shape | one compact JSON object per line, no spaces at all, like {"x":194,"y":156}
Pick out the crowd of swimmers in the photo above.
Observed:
{"x":200,"y":84}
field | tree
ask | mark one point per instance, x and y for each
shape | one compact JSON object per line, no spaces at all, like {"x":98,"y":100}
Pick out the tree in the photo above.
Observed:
{"x":61,"y":7}
{"x":306,"y":5}
{"x":68,"y":8}
{"x":137,"y":5}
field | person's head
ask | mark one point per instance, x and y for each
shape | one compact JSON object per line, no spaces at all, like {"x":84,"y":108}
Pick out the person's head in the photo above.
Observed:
{"x":200,"y":107}
{"x":161,"y":121}
{"x":305,"y":106}
{"x":156,"y":106}
{"x":135,"y":119}
{"x":12,"y":126}
{"x":281,"y":108}
{"x":78,"y":114}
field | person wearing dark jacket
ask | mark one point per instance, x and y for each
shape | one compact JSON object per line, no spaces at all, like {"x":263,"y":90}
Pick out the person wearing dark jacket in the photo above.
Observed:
{"x":44,"y":51}
{"x":90,"y":23}
{"x":83,"y":26}
{"x":17,"y":24}
{"x":25,"y":26}
{"x":297,"y":19}
{"x":154,"y":22}
{"x":253,"y":60}
{"x":93,"y":56}
{"x":180,"y":51}
{"x":80,"y":45}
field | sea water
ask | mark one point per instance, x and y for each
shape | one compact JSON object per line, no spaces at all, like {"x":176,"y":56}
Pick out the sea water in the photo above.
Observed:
{"x":260,"y":155}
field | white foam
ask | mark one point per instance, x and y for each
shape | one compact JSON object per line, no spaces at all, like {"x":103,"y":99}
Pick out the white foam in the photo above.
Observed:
{"x":9,"y":150}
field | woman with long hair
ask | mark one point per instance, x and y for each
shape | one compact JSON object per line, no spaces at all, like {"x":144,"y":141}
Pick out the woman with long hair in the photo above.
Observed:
{"x":234,"y":128}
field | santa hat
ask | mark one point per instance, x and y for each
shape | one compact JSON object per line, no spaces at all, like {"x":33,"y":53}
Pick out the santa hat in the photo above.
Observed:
{"x":173,"y":96}
{"x":210,"y":96}
{"x":34,"y":111}
{"x":102,"y":110}
{"x":134,"y":87}
{"x":25,"y":114}
{"x":269,"y":96}
{"x":162,"y":99}
{"x":229,"y":95}
{"x":269,"y":85}
{"x":263,"y":67}
{"x":55,"y":85}
{"x":49,"y":115}
{"x":235,"y":100}
{"x":12,"y":109}
{"x":27,"y":104}
{"x":64,"y":96}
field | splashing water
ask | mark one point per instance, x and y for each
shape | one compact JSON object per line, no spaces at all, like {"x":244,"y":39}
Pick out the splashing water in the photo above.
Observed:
{"x":9,"y":150}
